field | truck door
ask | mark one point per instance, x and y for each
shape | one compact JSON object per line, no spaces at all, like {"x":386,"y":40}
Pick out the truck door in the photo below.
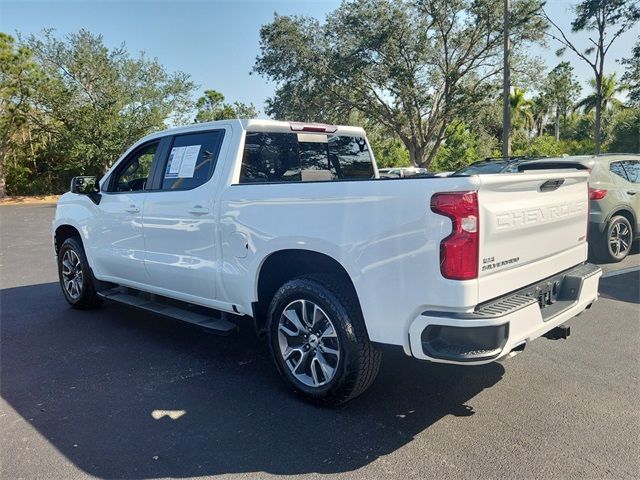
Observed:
{"x":179,"y":224}
{"x":118,"y":246}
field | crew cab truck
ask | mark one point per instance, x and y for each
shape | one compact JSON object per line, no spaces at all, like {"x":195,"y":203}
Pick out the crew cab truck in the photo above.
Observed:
{"x":289,"y":224}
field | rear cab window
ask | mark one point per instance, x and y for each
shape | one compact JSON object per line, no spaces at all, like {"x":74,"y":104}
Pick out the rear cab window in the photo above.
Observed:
{"x":192,"y":160}
{"x":278,"y":157}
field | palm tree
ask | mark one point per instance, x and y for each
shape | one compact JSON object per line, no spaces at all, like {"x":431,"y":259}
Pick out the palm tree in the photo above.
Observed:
{"x":609,"y":90}
{"x":521,"y":109}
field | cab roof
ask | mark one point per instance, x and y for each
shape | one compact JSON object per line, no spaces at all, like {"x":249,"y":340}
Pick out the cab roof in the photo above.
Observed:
{"x":262,"y":125}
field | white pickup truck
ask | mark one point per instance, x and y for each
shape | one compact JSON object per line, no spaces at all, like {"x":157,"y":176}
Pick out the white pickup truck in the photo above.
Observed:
{"x":289,"y":224}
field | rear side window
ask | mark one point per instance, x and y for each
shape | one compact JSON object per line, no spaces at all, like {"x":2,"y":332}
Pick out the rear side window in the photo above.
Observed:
{"x":632,"y":168}
{"x":304,"y":157}
{"x":192,"y":160}
{"x":618,"y":169}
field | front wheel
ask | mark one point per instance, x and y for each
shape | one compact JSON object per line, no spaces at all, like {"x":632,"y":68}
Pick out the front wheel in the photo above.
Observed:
{"x":319,"y":342}
{"x":76,"y":279}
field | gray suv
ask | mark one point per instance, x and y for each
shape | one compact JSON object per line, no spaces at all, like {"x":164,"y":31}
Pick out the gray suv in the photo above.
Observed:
{"x":614,"y":191}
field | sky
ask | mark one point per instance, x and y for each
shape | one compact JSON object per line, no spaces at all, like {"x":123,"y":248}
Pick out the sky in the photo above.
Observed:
{"x":216,"y":42}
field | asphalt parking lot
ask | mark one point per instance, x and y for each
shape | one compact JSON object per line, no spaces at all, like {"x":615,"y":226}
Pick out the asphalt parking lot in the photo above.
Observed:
{"x":93,"y":393}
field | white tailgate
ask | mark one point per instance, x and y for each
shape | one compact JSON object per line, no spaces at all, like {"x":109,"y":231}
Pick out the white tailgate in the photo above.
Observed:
{"x":527,"y":234}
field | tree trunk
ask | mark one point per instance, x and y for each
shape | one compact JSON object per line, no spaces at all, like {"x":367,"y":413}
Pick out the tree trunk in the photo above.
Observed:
{"x":557,"y":126}
{"x":416,"y":155}
{"x":3,"y":193}
{"x":598,"y":122}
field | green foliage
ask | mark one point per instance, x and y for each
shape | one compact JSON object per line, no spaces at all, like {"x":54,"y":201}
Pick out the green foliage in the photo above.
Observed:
{"x":389,"y":151}
{"x":211,"y":106}
{"x":412,"y":66}
{"x":631,"y":76}
{"x":608,"y":90}
{"x":625,"y":132}
{"x":462,"y":147}
{"x":606,"y":20}
{"x":548,"y":146}
{"x":88,"y":104}
{"x":594,"y":14}
{"x":561,"y":89}
{"x":19,"y":76}
{"x":521,"y":109}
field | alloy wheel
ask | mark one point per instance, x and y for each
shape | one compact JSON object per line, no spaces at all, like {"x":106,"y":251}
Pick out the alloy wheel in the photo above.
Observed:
{"x":308,"y":342}
{"x":72,"y":276}
{"x":619,"y":240}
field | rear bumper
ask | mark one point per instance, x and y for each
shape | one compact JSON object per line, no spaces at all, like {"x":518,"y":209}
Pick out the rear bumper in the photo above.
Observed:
{"x":497,"y":327}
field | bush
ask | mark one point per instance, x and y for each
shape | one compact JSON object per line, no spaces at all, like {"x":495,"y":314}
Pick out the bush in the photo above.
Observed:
{"x":389,"y":151}
{"x":461,"y":147}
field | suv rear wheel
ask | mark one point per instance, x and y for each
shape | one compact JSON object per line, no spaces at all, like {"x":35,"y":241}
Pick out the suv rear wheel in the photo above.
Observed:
{"x":617,"y":239}
{"x":318,"y":340}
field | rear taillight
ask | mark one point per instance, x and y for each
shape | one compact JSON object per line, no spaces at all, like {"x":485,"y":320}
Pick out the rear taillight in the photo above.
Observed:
{"x":596,"y":193}
{"x":459,"y":251}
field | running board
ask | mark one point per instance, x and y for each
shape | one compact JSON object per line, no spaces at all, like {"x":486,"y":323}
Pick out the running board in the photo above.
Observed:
{"x":149,"y":302}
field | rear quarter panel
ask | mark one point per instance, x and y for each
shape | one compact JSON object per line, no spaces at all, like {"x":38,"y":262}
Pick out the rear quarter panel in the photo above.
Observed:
{"x":381,"y":231}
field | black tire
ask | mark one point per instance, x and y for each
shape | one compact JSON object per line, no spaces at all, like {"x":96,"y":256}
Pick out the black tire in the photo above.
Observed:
{"x":84,"y":294}
{"x":609,"y":251}
{"x":358,"y":362}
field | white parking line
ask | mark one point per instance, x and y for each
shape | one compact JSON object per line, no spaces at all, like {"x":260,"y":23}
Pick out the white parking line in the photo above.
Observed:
{"x":621,"y":272}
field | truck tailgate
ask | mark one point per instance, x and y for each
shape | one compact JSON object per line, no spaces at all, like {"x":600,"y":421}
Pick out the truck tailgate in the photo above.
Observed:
{"x":532,"y":225}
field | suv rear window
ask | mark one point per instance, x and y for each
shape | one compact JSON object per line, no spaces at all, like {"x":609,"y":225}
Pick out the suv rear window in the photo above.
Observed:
{"x":304,"y":157}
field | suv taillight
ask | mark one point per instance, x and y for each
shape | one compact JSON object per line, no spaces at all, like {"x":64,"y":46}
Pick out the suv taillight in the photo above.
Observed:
{"x":459,"y":251}
{"x":597,"y":193}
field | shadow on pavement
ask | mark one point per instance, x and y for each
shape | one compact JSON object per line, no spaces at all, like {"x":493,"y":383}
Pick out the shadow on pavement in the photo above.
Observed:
{"x":97,"y":385}
{"x":624,"y":287}
{"x":595,"y":258}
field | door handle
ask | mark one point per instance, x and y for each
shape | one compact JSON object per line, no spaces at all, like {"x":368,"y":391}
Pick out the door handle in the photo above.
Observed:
{"x":198,"y":210}
{"x":132,"y":209}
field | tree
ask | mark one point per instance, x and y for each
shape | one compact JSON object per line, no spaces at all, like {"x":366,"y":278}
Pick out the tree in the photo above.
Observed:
{"x":608,"y":19}
{"x":521,"y":109}
{"x":93,"y":102}
{"x":18,"y":77}
{"x":631,"y":76}
{"x":562,"y":90}
{"x":462,"y":147}
{"x":211,"y":107}
{"x":625,"y":131}
{"x":608,"y":90}
{"x":540,"y":108}
{"x":413,"y":66}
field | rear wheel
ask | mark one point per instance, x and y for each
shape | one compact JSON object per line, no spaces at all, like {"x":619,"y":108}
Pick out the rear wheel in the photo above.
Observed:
{"x":76,"y":279}
{"x":617,"y":240}
{"x":318,"y":340}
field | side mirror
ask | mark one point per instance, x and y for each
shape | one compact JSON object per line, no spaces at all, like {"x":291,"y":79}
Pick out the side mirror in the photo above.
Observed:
{"x":86,"y":186}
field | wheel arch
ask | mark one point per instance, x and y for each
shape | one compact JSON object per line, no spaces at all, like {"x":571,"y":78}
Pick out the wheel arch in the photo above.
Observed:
{"x":284,"y":265}
{"x":62,"y":233}
{"x":627,"y":213}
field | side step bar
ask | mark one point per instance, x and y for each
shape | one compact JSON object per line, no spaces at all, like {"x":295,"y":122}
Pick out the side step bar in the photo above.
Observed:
{"x":144,"y":301}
